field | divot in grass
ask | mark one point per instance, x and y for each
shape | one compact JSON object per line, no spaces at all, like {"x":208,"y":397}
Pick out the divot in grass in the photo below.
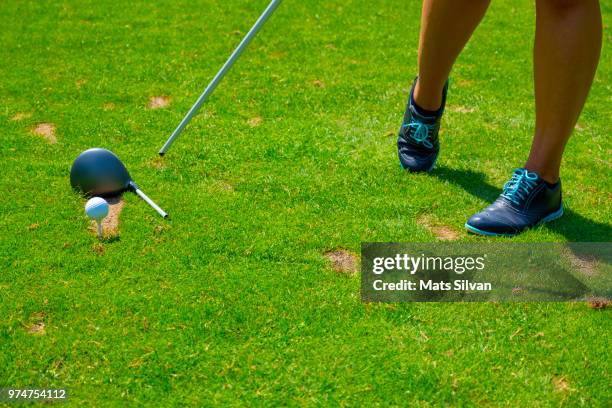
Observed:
{"x":254,"y":122}
{"x":343,"y":261}
{"x":461,"y":109}
{"x":585,"y":264}
{"x":157,"y":163}
{"x":158,"y":102}
{"x":442,"y":232}
{"x":561,"y":384}
{"x":598,"y":303}
{"x":98,"y":248}
{"x":222,"y":186}
{"x":464,"y":83}
{"x":21,"y":116}
{"x":110,"y":224}
{"x":37,"y":328}
{"x":47,"y":131}
{"x":318,"y":83}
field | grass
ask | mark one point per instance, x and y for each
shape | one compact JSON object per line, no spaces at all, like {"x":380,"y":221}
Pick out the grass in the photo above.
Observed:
{"x":232,"y":302}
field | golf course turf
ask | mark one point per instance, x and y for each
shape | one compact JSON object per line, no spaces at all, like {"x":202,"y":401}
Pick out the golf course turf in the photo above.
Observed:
{"x":234,"y":301}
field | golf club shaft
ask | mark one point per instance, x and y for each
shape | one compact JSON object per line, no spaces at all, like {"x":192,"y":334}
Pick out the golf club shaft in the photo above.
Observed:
{"x":226,"y":67}
{"x":151,"y":203}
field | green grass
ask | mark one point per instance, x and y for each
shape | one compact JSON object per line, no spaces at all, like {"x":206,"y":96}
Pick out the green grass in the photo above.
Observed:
{"x":231,"y":302}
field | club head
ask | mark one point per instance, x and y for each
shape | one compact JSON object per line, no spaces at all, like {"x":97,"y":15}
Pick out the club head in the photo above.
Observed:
{"x":99,"y":172}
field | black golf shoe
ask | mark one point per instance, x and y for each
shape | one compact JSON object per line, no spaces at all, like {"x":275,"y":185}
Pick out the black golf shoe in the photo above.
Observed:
{"x":417,"y":144}
{"x":526,"y":201}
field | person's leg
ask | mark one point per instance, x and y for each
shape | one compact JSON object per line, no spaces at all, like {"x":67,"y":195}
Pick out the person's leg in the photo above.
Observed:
{"x":567,"y":47}
{"x":446,"y":26}
{"x":566,"y":53}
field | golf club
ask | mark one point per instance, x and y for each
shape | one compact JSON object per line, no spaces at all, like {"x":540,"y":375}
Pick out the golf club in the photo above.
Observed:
{"x":226,"y":67}
{"x":99,"y":172}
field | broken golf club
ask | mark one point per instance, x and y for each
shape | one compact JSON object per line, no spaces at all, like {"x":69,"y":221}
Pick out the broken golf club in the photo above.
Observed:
{"x":226,"y":67}
{"x":99,"y":172}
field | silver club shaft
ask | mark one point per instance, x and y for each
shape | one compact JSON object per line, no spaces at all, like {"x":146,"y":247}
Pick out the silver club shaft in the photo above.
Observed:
{"x":226,"y":67}
{"x":151,"y":203}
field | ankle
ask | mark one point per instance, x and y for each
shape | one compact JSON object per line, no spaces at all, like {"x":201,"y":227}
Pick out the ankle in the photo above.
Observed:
{"x":430,"y":101}
{"x":549,"y":176}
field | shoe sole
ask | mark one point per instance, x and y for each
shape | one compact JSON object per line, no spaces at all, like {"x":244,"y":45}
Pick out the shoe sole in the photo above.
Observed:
{"x":421,"y":171}
{"x":550,"y":217}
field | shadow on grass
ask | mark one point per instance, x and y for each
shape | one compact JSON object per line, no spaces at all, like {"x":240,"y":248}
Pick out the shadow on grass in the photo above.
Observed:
{"x":111,"y":239}
{"x":573,"y":226}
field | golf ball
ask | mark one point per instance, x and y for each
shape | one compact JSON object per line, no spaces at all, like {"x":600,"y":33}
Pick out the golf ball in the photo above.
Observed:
{"x":96,"y":208}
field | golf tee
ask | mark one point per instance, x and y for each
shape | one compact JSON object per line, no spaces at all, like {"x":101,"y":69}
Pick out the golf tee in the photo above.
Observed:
{"x":100,"y":231}
{"x":151,"y":203}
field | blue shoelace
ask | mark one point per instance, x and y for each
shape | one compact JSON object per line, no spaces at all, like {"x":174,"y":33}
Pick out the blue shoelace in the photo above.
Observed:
{"x":419,"y":132}
{"x":519,"y":186}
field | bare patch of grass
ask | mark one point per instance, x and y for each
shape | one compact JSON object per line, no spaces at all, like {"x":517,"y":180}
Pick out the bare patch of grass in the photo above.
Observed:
{"x":98,"y":248}
{"x":37,"y":328}
{"x":110,"y":224}
{"x":561,"y":384}
{"x":21,"y":116}
{"x":583,"y":263}
{"x":318,"y":83}
{"x":442,"y":232}
{"x":157,"y":163}
{"x":37,"y":324}
{"x":343,"y":261}
{"x":158,"y":102}
{"x":47,"y":131}
{"x":222,"y":185}
{"x":461,"y":109}
{"x":598,"y":303}
{"x":277,"y":54}
{"x":254,"y":122}
{"x":464,"y":83}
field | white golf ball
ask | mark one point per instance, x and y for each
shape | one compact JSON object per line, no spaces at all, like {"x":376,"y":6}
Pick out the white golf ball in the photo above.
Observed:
{"x":96,"y":208}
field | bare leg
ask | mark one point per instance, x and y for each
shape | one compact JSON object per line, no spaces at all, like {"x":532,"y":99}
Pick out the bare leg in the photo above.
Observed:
{"x":567,"y":48}
{"x":446,"y":26}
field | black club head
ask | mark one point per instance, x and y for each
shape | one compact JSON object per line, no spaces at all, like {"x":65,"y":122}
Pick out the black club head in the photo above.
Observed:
{"x":99,"y":172}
